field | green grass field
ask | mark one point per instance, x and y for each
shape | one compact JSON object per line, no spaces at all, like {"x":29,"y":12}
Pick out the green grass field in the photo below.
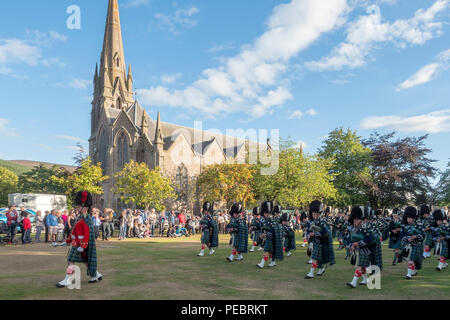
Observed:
{"x":169,"y":269}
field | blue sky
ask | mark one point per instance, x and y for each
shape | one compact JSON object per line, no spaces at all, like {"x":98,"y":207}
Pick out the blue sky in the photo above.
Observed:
{"x":302,"y":66}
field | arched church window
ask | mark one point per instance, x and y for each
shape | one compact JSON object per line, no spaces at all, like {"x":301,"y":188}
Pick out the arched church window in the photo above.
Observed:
{"x":122,"y":150}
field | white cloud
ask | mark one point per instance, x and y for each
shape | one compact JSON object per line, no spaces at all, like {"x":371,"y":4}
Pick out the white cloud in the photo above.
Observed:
{"x":19,"y":52}
{"x":58,"y":36}
{"x":135,"y":3}
{"x":222,"y":47}
{"x":44,"y":146}
{"x":70,"y":138}
{"x":171,"y":78}
{"x":368,"y":30}
{"x":428,"y":72}
{"x":298,"y":114}
{"x":181,"y":19}
{"x":15,"y":51}
{"x":251,"y":80}
{"x":433,"y":122}
{"x":79,"y":83}
{"x":424,"y":75}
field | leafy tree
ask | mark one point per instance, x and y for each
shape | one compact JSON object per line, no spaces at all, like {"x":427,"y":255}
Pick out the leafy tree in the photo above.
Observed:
{"x":228,"y":183}
{"x":400,"y":170}
{"x":38,"y":180}
{"x":137,"y":184}
{"x":88,"y":176}
{"x":8,"y":185}
{"x":299,"y":180}
{"x":351,"y":162}
{"x":443,"y":188}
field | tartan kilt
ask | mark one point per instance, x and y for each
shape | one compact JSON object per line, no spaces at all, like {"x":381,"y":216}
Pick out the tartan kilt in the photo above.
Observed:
{"x":289,"y":242}
{"x":428,"y":241}
{"x":395,"y":244}
{"x":417,"y":255}
{"x":322,"y":252}
{"x":75,"y":256}
{"x":256,"y":237}
{"x":334,"y":233}
{"x":241,"y":238}
{"x":214,"y":236}
{"x":377,"y":256}
{"x":444,"y":250}
{"x":205,"y":236}
{"x":268,"y":244}
{"x":364,"y":260}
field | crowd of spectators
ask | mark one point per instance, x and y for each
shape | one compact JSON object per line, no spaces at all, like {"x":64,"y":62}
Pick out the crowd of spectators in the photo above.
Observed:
{"x":129,"y":223}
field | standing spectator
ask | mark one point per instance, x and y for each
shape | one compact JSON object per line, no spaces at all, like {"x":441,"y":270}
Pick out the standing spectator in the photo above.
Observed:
{"x":130,"y":224}
{"x":221,"y":221}
{"x":12,"y":217}
{"x":52,"y":222}
{"x":106,"y":227}
{"x":123,"y":225}
{"x":26,"y":238}
{"x":70,"y":223}
{"x":46,"y":226}
{"x":97,"y":224}
{"x":152,"y":220}
{"x":182,"y":218}
{"x":64,"y":216}
{"x":60,"y":231}
{"x":111,"y":223}
{"x":39,"y":220}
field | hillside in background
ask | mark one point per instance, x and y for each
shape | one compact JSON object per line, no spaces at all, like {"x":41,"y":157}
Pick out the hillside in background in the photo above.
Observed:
{"x":21,"y":166}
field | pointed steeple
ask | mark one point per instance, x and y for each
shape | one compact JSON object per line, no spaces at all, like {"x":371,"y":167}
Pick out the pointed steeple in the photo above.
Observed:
{"x":112,"y":61}
{"x":144,"y":122}
{"x":158,"y":131}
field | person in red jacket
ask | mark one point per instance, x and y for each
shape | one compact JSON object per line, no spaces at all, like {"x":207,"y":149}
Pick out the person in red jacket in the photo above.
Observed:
{"x":82,"y":239}
{"x":26,"y":229}
{"x":12,"y":217}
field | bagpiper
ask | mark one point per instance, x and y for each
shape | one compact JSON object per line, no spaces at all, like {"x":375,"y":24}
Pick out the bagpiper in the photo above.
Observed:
{"x":210,"y":230}
{"x":426,"y":221}
{"x":289,"y":234}
{"x":239,"y":233}
{"x":320,"y":235}
{"x":395,"y":228}
{"x":362,"y":244}
{"x":412,"y":242}
{"x":82,"y":241}
{"x":441,"y":238}
{"x":304,"y":225}
{"x":272,"y":235}
{"x":255,"y":230}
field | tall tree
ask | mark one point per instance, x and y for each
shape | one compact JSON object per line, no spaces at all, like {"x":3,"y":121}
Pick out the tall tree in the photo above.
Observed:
{"x":228,"y":183}
{"x":8,"y":185}
{"x":400,"y":170}
{"x":88,"y":177}
{"x":139,"y":185}
{"x":351,"y":162}
{"x":443,"y":188}
{"x":299,"y":180}
{"x":38,"y":180}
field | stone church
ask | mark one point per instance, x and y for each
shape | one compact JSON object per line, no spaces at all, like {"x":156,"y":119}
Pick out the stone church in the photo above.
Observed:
{"x":122,"y":130}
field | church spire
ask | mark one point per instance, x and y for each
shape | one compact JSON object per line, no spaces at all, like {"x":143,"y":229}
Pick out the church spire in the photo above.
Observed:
{"x":158,"y":131}
{"x":115,"y":84}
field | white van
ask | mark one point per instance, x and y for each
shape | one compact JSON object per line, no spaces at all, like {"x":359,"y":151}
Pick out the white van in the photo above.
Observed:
{"x":35,"y":202}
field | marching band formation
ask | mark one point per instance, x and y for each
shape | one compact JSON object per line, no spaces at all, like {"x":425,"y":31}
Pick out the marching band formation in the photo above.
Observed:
{"x":412,"y":235}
